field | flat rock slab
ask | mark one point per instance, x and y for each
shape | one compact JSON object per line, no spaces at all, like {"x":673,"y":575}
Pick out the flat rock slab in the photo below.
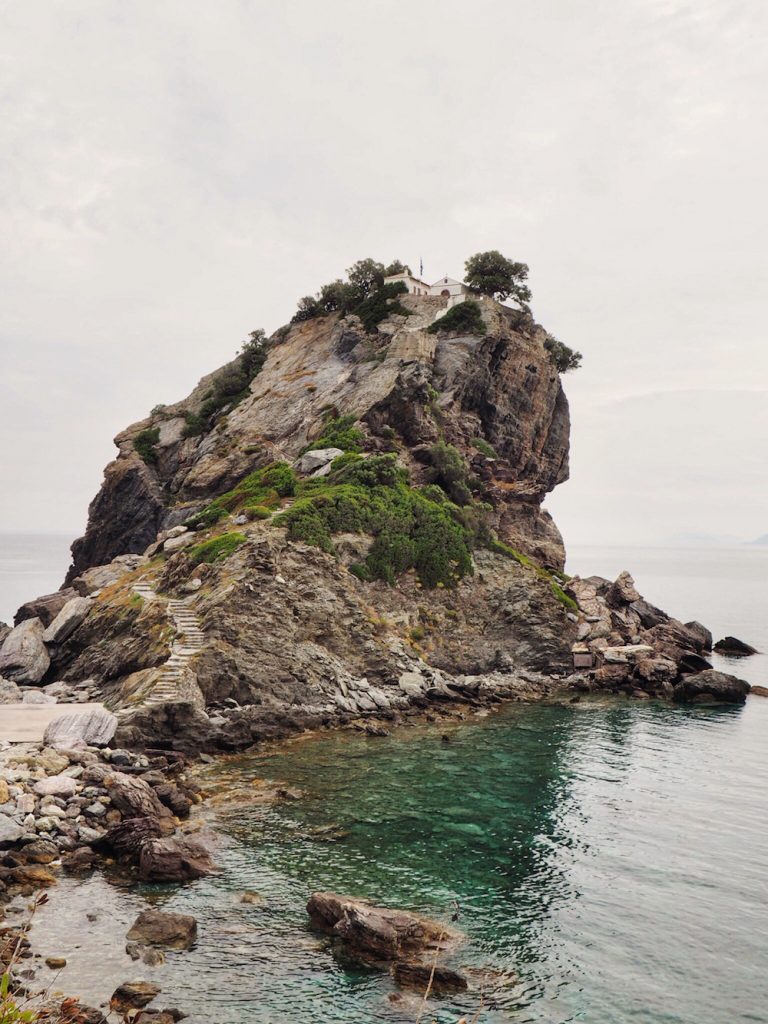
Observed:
{"x":26,"y":723}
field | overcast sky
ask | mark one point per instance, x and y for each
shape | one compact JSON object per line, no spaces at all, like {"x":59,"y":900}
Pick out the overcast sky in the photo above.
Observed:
{"x":176,"y":173}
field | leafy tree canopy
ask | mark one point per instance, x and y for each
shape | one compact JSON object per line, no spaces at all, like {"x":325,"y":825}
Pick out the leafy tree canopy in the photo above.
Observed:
{"x":396,"y":267}
{"x":490,"y":273}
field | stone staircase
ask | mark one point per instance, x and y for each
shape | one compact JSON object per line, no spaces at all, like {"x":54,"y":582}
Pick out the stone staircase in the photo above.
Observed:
{"x":190,"y":640}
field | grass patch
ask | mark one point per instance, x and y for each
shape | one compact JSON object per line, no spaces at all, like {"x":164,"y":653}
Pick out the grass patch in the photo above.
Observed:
{"x":463,"y":318}
{"x":217,"y":548}
{"x":261,"y":489}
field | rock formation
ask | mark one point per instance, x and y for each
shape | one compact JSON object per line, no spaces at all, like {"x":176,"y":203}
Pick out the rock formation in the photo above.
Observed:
{"x":347,"y":527}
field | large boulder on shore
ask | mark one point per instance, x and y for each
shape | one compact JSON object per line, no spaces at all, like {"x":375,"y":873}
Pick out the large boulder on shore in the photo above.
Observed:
{"x":711,"y":685}
{"x":92,"y":728}
{"x":133,"y":797}
{"x":157,"y":928}
{"x":67,"y":621}
{"x":9,"y":692}
{"x":23,"y":657}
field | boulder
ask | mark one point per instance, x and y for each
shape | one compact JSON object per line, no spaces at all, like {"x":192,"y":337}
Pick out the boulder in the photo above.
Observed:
{"x":93,"y":728}
{"x":133,"y":797}
{"x":9,"y":692}
{"x":316,"y":459}
{"x":133,"y":995}
{"x":56,"y":785}
{"x":378,"y":934}
{"x":174,"y":860}
{"x":703,"y":635}
{"x":648,"y":614}
{"x":10,"y":832}
{"x":734,"y":648}
{"x":178,"y":543}
{"x":128,"y":836}
{"x":37,"y":697}
{"x":45,"y":608}
{"x":67,"y":621}
{"x":157,"y":928}
{"x":32,"y":874}
{"x":622,"y":591}
{"x":23,"y":657}
{"x":712,"y":685}
{"x":759,"y":691}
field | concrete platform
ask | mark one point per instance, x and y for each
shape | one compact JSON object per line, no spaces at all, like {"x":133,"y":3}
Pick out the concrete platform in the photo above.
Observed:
{"x":26,"y":723}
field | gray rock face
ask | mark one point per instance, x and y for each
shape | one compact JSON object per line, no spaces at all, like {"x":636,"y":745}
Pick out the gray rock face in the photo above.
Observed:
{"x":38,"y":697}
{"x":67,"y":621}
{"x":94,"y":728}
{"x":23,"y":657}
{"x":714,"y":686}
{"x":316,"y":459}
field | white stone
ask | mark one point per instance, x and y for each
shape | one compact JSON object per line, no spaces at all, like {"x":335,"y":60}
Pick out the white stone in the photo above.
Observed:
{"x":183,"y":540}
{"x":94,"y":728}
{"x":411,"y":683}
{"x":38,"y":697}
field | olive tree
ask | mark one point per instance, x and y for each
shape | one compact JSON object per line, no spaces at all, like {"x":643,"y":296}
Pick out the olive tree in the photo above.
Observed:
{"x":490,"y":273}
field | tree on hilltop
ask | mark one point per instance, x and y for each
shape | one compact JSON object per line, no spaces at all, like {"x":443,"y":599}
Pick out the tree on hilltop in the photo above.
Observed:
{"x":490,"y":273}
{"x":397,"y":267}
{"x":366,"y":276}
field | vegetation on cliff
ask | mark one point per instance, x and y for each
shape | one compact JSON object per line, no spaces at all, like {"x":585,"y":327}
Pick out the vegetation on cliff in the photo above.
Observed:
{"x":363,"y":293}
{"x":231,"y":385}
{"x":464,"y":318}
{"x":489,"y":273}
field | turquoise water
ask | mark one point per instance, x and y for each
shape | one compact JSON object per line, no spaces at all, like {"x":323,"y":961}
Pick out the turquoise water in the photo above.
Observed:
{"x":613,"y":856}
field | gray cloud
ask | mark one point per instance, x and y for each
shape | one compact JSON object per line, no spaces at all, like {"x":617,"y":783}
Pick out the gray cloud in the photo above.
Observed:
{"x":176,"y":174}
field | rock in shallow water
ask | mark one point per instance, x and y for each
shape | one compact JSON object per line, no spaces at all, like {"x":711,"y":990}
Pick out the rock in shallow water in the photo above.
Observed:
{"x":714,"y":686}
{"x":156,"y":928}
{"x":733,"y":647}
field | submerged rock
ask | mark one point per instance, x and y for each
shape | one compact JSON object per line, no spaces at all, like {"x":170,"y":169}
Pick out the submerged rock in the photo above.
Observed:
{"x":174,"y":860}
{"x":133,"y":995}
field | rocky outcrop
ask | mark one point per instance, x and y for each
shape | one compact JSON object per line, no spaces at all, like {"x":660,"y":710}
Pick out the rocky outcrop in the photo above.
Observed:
{"x":402,"y":381}
{"x":45,"y":608}
{"x":72,"y":614}
{"x":92,"y":729}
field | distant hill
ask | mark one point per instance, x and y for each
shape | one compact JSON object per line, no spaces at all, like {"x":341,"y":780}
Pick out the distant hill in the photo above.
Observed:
{"x":760,"y":540}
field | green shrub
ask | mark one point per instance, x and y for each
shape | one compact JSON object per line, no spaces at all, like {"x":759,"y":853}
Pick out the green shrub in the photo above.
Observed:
{"x":484,"y":448}
{"x":217,"y":548}
{"x":463,"y":318}
{"x":449,"y":471}
{"x":364,"y":293}
{"x":551,"y":577}
{"x":563,"y":598}
{"x":338,"y":432}
{"x":374,"y":496}
{"x":564,"y":358}
{"x":144,"y":444}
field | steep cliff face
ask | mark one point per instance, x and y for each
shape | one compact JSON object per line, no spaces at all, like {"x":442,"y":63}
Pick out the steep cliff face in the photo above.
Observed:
{"x":406,"y":387}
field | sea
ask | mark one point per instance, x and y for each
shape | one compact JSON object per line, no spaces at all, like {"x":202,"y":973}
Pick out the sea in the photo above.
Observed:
{"x":607,"y":860}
